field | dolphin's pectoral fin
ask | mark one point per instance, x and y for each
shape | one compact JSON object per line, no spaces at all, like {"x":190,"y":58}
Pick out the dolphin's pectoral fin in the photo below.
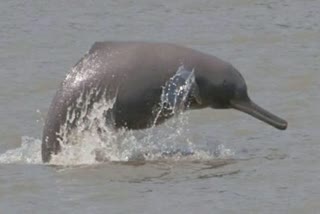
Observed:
{"x":195,"y":93}
{"x":180,"y":90}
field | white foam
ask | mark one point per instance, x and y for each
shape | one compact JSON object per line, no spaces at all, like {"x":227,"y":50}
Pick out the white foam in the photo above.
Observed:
{"x":152,"y":145}
{"x":28,"y":153}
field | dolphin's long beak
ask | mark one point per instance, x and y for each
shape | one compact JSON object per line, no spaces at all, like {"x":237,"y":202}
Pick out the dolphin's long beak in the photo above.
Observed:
{"x":256,"y":111}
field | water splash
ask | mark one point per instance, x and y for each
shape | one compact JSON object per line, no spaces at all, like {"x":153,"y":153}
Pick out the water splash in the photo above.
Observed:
{"x":125,"y":147}
{"x":88,"y":137}
{"x":28,"y":153}
{"x":84,"y":69}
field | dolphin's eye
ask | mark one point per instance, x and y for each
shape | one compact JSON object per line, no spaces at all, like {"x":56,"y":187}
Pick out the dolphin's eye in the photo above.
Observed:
{"x":228,"y":88}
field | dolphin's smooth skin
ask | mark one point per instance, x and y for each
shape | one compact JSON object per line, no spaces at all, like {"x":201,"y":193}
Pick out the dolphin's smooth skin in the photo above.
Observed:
{"x":136,"y":74}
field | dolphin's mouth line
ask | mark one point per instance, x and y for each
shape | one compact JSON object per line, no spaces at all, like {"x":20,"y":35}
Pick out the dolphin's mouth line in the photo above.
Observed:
{"x":256,"y":111}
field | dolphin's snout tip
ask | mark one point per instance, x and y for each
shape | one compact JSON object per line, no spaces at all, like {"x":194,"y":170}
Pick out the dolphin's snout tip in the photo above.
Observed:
{"x":282,"y":126}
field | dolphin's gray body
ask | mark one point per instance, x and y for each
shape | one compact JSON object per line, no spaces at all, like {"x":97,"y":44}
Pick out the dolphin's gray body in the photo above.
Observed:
{"x":136,"y":74}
